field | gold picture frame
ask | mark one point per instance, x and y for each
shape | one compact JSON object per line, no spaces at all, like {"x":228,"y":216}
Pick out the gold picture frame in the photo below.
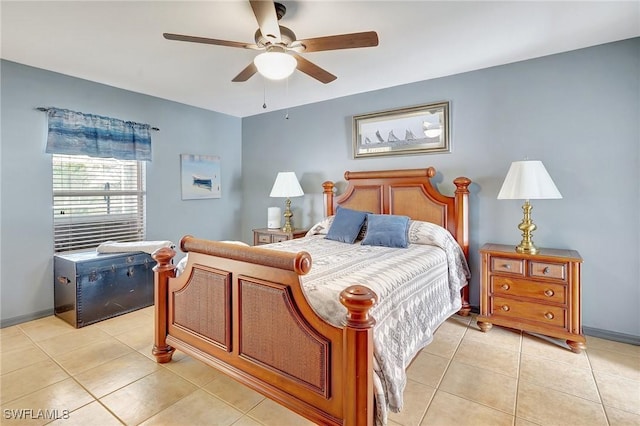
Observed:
{"x":421,"y":129}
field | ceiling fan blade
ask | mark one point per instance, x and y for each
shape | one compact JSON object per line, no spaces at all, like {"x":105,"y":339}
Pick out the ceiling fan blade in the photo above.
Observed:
{"x":246,"y":73}
{"x":204,"y":40}
{"x":342,"y":41}
{"x":265,"y":12}
{"x":313,"y":70}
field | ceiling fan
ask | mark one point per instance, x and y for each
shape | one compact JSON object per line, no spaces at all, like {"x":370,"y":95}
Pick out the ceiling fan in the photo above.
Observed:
{"x":281,"y":48}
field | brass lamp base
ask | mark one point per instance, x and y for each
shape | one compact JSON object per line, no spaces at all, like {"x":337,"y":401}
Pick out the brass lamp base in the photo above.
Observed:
{"x":530,"y":249}
{"x":527,"y":227}
{"x":287,"y":217}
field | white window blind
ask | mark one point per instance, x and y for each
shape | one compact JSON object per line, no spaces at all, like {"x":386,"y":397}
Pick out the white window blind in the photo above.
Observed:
{"x":97,"y":200}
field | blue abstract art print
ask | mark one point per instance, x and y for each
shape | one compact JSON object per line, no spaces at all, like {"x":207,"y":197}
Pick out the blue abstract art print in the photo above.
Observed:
{"x":200,"y":177}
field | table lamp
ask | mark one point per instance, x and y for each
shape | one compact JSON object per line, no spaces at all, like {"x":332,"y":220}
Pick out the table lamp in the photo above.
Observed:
{"x":286,"y":186}
{"x":527,"y":180}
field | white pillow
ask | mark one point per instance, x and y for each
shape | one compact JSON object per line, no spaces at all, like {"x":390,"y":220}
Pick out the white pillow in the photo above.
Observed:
{"x":181,"y":265}
{"x":322,"y":227}
{"x":426,"y":233}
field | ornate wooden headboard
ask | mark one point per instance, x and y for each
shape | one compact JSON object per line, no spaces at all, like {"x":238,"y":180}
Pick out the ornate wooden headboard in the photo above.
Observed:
{"x":405,"y":192}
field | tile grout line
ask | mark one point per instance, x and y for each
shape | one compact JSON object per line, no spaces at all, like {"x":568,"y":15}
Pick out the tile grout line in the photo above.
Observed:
{"x":70,"y":376}
{"x":95,"y":398}
{"x":606,"y":415}
{"x":450,"y":360}
{"x":468,"y":326}
{"x":68,"y":373}
{"x":515,"y":400}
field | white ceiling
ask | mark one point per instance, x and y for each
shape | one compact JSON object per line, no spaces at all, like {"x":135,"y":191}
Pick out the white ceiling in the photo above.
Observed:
{"x":120,"y":43}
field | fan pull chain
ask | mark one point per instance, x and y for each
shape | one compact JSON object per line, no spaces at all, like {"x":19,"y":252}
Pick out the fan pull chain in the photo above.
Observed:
{"x":286,"y":96}
{"x":264,"y":93}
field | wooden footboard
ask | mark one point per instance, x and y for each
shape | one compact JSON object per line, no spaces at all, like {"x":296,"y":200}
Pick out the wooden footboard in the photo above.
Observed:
{"x":242,"y":310}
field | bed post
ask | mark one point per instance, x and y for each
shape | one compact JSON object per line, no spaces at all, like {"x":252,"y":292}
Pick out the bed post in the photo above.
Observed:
{"x":162,"y":272}
{"x":462,"y":230}
{"x":358,"y":356}
{"x":328,"y":198}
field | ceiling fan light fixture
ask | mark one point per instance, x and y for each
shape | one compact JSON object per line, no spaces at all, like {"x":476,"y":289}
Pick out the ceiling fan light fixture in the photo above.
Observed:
{"x":281,"y":48}
{"x":275,"y":65}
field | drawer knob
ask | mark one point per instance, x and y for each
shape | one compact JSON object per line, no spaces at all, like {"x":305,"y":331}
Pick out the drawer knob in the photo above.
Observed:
{"x":546,"y":270}
{"x":505,"y":308}
{"x":505,"y":286}
{"x":548,"y":316}
{"x":506,"y":266}
{"x":549,"y":293}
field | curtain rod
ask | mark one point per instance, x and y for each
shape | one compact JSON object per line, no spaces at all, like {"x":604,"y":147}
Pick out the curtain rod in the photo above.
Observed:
{"x":45,"y":109}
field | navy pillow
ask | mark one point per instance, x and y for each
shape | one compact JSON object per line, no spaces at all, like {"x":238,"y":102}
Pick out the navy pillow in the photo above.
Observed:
{"x":346,"y":225}
{"x":387,"y":230}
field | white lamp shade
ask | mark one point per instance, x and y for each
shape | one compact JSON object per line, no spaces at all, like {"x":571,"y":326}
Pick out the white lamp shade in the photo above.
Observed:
{"x":275,"y":65}
{"x":286,"y":186}
{"x":528,"y":180}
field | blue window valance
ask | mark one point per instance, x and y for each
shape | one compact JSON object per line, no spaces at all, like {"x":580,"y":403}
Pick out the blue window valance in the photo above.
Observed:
{"x":76,"y":133}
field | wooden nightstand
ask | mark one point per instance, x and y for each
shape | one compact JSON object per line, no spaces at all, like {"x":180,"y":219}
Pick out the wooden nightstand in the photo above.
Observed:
{"x":267,"y":235}
{"x":538,"y":293}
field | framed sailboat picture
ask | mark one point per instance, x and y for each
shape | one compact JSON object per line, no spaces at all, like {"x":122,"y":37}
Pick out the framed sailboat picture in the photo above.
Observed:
{"x":422,"y":129}
{"x":200,"y":176}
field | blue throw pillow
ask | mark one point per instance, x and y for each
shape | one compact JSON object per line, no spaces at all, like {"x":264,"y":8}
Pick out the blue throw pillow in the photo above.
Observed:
{"x":346,"y":225}
{"x":387,"y":230}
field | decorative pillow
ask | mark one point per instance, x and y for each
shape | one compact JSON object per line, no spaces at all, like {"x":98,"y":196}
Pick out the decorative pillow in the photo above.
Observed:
{"x":322,"y":227}
{"x":363,"y":232}
{"x":387,"y":230}
{"x":346,"y":225}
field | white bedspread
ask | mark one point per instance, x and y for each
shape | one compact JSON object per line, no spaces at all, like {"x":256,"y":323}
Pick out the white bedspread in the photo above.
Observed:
{"x":417,"y":287}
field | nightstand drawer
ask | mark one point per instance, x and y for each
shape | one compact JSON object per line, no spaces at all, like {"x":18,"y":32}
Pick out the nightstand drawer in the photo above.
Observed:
{"x":264,"y":238}
{"x":503,"y":264}
{"x":554,"y":293}
{"x":275,"y":235}
{"x":556,"y":271}
{"x":544,"y":314}
{"x":279,"y":238}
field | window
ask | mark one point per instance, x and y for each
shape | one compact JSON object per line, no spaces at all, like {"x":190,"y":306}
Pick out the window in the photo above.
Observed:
{"x":97,"y":200}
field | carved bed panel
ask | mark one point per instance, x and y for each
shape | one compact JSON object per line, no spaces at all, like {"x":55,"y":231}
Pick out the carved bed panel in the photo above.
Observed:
{"x":306,"y":360}
{"x":365,"y":198}
{"x":412,"y":201}
{"x":203,"y":306}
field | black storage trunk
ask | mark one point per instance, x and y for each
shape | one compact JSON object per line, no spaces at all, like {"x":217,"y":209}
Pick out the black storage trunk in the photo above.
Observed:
{"x":91,"y":287}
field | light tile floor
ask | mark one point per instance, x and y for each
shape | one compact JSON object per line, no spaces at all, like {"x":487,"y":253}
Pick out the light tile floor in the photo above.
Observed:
{"x":104,"y":374}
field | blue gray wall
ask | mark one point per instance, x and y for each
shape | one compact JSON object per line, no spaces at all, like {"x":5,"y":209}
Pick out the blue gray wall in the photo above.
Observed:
{"x":26,"y":265}
{"x":578,"y":112}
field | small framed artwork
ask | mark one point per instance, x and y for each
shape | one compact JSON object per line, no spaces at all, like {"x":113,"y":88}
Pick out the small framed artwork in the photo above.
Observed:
{"x":200,"y":176}
{"x":422,"y":129}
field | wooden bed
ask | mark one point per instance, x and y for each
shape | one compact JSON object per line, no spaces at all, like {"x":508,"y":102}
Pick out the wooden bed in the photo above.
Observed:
{"x":232,"y":303}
